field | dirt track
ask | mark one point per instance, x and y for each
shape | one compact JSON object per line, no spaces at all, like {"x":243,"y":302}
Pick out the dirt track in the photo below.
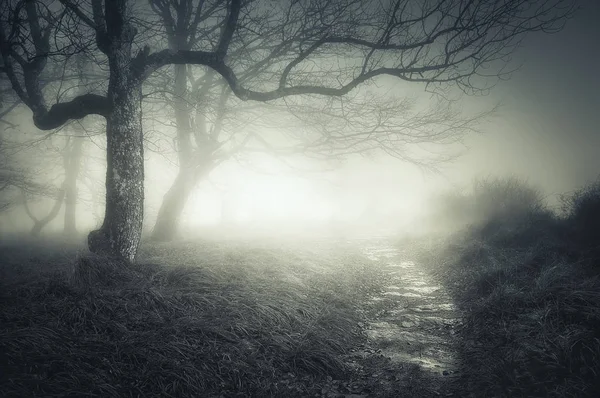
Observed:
{"x":411,"y":329}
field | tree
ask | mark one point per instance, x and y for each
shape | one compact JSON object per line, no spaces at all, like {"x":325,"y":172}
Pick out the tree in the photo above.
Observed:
{"x":443,"y":42}
{"x":13,"y":178}
{"x":30,"y":176}
{"x":197,"y":149}
{"x":16,"y":181}
{"x":23,"y":176}
{"x":72,"y":165}
{"x":39,"y":224}
{"x":66,"y":194}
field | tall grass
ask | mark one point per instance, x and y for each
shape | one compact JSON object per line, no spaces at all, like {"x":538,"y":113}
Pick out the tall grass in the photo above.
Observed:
{"x":521,"y":276}
{"x":582,"y":212}
{"x":192,"y":319}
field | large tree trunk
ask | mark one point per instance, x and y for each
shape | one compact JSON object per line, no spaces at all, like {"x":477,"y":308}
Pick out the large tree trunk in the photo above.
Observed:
{"x":121,"y":231}
{"x":72,"y":167}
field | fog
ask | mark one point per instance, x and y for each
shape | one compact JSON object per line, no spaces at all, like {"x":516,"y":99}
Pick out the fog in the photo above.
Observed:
{"x":297,"y":198}
{"x":545,"y":131}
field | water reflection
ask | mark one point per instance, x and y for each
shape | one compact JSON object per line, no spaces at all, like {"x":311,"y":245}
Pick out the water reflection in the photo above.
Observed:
{"x":416,"y":326}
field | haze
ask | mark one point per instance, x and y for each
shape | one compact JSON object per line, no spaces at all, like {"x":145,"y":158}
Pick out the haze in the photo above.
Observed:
{"x":300,"y":198}
{"x":545,"y":132}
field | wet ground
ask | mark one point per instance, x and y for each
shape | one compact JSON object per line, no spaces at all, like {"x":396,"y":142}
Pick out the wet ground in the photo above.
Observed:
{"x":411,"y":329}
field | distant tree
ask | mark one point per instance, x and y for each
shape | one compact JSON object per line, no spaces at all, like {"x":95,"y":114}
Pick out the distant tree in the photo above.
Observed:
{"x":442,"y":42}
{"x":40,"y":223}
{"x":14,"y":179}
{"x":18,"y":182}
{"x":23,"y":177}
{"x":72,"y":165}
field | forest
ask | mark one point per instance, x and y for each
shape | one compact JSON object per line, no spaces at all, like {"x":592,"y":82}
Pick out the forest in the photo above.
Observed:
{"x":299,"y":198}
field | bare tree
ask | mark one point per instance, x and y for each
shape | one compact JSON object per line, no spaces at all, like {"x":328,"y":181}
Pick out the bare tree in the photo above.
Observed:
{"x":72,"y":164}
{"x":437,"y":42}
{"x":34,"y":175}
{"x":13,"y":179}
{"x":40,"y":223}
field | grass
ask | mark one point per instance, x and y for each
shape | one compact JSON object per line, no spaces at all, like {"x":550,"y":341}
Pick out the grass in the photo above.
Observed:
{"x":527,"y":281}
{"x":226,"y":319}
{"x":203,"y":319}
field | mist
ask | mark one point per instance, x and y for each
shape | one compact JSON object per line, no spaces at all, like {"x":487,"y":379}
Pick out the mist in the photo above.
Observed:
{"x":544,"y":131}
{"x":296,"y":198}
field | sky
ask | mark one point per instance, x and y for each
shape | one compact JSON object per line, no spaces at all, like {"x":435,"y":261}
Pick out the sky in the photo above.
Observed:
{"x":545,"y":132}
{"x":548,"y":130}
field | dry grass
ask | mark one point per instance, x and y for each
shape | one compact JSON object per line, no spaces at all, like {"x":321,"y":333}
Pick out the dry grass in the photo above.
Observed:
{"x":530,"y":291}
{"x":190,"y":319}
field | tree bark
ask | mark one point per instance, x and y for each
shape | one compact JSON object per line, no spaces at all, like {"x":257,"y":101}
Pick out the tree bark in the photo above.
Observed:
{"x":72,"y":167}
{"x":121,"y":230}
{"x":120,"y":233}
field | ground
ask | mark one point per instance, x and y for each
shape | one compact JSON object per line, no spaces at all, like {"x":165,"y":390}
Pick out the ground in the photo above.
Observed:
{"x":323,"y":318}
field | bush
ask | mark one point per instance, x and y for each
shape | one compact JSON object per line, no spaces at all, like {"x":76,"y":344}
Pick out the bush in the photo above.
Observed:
{"x":505,"y":199}
{"x":495,"y":208}
{"x":531,"y":308}
{"x":582,"y":218}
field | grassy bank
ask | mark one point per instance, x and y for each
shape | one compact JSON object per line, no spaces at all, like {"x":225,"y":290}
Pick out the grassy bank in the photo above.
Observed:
{"x":191,"y":319}
{"x":527,"y":280}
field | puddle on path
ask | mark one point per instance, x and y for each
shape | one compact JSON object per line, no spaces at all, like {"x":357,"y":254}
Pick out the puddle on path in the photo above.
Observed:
{"x":416,"y":325}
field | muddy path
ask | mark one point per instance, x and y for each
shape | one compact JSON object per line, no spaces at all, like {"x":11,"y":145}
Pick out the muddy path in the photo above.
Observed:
{"x":411,"y":330}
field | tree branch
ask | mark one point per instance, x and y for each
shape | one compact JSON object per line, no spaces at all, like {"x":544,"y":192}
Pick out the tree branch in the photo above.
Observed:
{"x":229,"y":28}
{"x":79,"y":107}
{"x":77,"y":11}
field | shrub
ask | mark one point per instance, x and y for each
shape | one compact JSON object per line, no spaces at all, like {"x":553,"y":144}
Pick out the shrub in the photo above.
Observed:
{"x":506,"y":199}
{"x":531,"y":310}
{"x":582,"y":218}
{"x":495,"y":208}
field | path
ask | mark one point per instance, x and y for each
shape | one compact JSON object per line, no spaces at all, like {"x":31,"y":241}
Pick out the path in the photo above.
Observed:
{"x":413,"y":322}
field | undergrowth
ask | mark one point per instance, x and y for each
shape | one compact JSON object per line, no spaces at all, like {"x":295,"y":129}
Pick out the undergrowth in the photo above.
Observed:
{"x":527,"y":281}
{"x":190,"y":319}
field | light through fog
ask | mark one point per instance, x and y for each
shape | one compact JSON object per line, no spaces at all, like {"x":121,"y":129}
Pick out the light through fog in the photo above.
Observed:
{"x":360,"y":196}
{"x":322,"y":198}
{"x":530,"y":137}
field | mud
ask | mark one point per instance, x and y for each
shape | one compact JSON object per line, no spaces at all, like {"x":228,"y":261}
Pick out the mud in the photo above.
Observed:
{"x":412,"y":323}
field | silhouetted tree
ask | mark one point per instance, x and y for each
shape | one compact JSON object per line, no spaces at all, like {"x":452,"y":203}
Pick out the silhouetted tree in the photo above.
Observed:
{"x":436,"y":42}
{"x":40,"y":223}
{"x":65,"y":194}
{"x":72,"y":164}
{"x":14,"y":179}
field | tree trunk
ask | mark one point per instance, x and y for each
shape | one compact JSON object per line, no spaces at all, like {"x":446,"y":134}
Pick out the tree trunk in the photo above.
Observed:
{"x":172,"y":206}
{"x":121,"y":230}
{"x":120,"y":233}
{"x":174,"y":202}
{"x":176,"y":197}
{"x":38,"y":225}
{"x":72,"y":167}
